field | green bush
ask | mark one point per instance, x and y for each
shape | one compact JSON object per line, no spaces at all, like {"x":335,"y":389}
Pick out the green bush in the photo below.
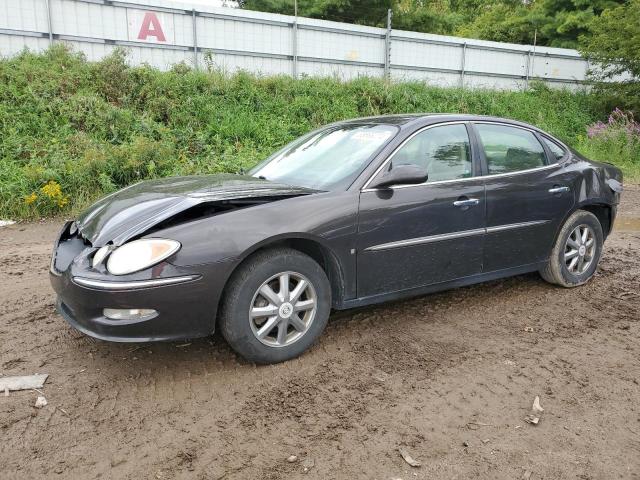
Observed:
{"x":80,"y":130}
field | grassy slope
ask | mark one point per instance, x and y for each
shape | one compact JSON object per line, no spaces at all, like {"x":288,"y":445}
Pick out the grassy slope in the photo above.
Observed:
{"x":95,"y":127}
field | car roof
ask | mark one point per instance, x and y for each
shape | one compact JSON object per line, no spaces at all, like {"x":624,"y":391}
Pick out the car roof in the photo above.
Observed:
{"x":421,"y":119}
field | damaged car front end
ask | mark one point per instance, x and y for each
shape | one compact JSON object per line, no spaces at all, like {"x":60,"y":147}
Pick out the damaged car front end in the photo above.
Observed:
{"x":118,"y":274}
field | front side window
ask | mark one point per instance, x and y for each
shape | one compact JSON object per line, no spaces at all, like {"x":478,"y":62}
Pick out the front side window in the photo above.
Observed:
{"x":444,"y":152}
{"x":509,"y":149}
{"x":557,"y":151}
{"x":326,"y":157}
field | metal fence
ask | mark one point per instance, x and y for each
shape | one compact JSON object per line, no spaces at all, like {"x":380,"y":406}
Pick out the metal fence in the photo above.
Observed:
{"x":162,"y":33}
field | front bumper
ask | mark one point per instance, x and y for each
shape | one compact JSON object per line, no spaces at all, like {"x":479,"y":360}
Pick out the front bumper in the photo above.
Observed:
{"x":185,"y":298}
{"x":183,"y":310}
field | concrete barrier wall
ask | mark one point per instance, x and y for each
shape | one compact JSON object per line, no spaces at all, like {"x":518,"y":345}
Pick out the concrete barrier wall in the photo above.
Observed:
{"x":162,"y":33}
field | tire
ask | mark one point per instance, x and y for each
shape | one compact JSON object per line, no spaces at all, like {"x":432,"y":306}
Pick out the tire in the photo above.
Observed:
{"x":557,"y":270}
{"x":244,"y":293}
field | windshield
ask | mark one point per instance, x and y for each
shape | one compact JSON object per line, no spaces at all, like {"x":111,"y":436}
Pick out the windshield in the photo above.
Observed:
{"x":324,"y":158}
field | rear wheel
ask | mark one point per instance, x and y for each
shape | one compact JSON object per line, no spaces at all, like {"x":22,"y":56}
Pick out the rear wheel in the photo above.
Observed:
{"x":576,"y":253}
{"x":275,"y":306}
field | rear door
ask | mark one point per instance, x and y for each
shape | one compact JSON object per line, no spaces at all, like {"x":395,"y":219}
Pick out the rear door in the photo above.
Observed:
{"x":528,"y":196}
{"x":415,"y":235}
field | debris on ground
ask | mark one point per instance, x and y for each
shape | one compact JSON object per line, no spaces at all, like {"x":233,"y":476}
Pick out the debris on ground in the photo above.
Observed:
{"x":6,"y":223}
{"x":308,"y":464}
{"x":536,"y":412}
{"x":528,"y":329}
{"x":27,"y":382}
{"x":476,"y":425}
{"x":41,"y":402}
{"x":408,"y":458}
{"x":465,"y":444}
{"x":291,"y":458}
{"x":527,"y":475}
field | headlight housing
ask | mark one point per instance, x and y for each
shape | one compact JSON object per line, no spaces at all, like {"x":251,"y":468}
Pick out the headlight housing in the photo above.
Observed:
{"x":140,"y":254}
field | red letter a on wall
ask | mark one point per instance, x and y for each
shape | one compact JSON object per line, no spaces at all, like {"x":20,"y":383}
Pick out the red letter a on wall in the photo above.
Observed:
{"x":151,"y":28}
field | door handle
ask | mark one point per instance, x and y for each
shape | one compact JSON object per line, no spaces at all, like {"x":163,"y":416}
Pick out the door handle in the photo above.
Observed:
{"x":558,"y":189}
{"x":466,"y":203}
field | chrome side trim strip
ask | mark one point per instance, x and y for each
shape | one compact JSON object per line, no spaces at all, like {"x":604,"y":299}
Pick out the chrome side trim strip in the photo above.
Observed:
{"x":451,"y":236}
{"x":429,"y":239}
{"x":108,"y":285}
{"x":511,"y":226}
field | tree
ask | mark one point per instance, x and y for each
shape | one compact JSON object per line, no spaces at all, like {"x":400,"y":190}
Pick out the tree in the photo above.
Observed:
{"x":364,"y":12}
{"x":613,"y":46}
{"x":613,"y":43}
{"x":558,"y":23}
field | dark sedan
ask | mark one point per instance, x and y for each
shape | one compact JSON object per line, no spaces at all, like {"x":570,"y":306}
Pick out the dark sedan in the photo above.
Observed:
{"x":354,"y":213}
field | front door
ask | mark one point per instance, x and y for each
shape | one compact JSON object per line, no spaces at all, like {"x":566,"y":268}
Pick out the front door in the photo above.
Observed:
{"x":528,"y":197}
{"x":415,"y":235}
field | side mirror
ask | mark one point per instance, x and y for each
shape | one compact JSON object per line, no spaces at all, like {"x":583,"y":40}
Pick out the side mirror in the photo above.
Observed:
{"x":401,"y":175}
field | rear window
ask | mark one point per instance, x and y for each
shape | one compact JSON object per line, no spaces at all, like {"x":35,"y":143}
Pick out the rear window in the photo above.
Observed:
{"x":510,"y":149}
{"x":557,"y":152}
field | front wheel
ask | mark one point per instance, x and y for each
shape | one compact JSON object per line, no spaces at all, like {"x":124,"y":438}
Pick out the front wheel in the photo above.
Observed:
{"x":275,"y":306}
{"x":576,"y":253}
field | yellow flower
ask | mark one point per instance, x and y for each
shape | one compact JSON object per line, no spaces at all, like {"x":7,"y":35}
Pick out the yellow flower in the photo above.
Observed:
{"x":29,"y":199}
{"x":62,"y":202}
{"x":52,"y":189}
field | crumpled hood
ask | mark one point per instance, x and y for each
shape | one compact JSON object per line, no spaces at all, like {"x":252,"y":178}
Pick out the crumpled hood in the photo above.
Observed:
{"x":131,"y":211}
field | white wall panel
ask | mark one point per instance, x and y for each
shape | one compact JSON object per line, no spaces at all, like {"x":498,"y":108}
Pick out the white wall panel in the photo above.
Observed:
{"x":442,"y":79}
{"x":406,"y":52}
{"x":492,"y":61}
{"x":495,"y":83}
{"x":13,"y":44}
{"x":341,"y":71}
{"x":83,"y":19}
{"x":30,"y":16}
{"x":244,"y":36}
{"x":340,"y":46}
{"x":261,"y":66}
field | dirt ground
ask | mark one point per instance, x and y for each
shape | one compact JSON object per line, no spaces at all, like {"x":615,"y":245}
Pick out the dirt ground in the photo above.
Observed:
{"x":448,"y":377}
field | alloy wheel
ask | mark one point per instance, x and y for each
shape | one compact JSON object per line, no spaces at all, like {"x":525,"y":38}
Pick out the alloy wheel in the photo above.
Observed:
{"x":283,"y":309}
{"x":579,"y":249}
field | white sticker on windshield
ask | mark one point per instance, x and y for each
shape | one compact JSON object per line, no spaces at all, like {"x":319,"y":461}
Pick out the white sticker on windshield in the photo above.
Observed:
{"x":368,"y":135}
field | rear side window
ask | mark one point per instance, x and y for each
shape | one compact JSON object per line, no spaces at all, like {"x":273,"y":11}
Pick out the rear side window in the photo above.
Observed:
{"x":557,"y":152}
{"x":444,"y":152}
{"x":510,"y":149}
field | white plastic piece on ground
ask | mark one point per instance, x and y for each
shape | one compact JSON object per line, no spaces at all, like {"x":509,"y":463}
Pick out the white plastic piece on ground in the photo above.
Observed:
{"x":408,"y":458}
{"x":41,"y":402}
{"x":536,"y":412}
{"x":28,"y":382}
{"x":5,"y":223}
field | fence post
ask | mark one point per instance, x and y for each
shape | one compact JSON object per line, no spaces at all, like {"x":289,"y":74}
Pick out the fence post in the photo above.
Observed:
{"x":195,"y":39}
{"x":463,"y":64}
{"x":526,"y":81}
{"x":387,"y":47}
{"x":48,"y":2}
{"x":294,"y":48}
